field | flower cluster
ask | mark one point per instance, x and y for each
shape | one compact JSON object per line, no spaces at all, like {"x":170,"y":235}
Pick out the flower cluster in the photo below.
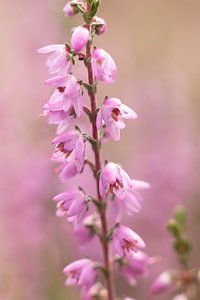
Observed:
{"x":64,"y":108}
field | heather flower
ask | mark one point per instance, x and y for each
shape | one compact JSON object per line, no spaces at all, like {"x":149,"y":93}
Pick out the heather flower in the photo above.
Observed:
{"x":79,"y":38}
{"x":72,"y":93}
{"x":114,"y":180}
{"x":70,"y":151}
{"x":99,"y":24}
{"x":81,"y":273}
{"x":136,"y":265}
{"x":125,"y":241}
{"x":163,"y":283}
{"x":103,"y":65}
{"x":71,"y":204}
{"x":71,"y":8}
{"x":111,"y":114}
{"x":90,"y":226}
{"x":59,"y":59}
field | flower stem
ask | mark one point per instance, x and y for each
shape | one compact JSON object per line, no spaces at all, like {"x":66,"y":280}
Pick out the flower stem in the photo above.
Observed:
{"x":96,"y":149}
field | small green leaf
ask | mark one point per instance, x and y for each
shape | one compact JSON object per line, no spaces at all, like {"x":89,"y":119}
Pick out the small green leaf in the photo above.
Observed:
{"x":180,"y":216}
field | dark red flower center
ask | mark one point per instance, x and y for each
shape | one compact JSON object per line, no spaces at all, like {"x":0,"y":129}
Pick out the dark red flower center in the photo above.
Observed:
{"x":115,"y":114}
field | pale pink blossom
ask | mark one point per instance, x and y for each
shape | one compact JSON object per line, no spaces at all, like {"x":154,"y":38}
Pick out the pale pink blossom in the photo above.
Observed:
{"x":70,"y":151}
{"x":71,"y":8}
{"x":59,"y":59}
{"x":114,"y":180}
{"x":71,"y":204}
{"x":99,"y":25}
{"x":79,"y":38}
{"x":103,"y":66}
{"x":81,"y":273}
{"x":55,"y":113}
{"x":72,"y":92}
{"x":111,"y":114}
{"x":163,"y":283}
{"x":125,"y":241}
{"x":136,"y":265}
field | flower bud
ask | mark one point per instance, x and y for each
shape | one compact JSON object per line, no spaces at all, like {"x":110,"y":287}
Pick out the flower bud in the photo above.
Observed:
{"x":99,"y":25}
{"x":71,"y":8}
{"x":79,"y":38}
{"x":163,"y":283}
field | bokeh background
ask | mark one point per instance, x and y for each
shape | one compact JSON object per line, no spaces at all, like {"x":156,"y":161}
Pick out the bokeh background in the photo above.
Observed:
{"x":156,"y":46}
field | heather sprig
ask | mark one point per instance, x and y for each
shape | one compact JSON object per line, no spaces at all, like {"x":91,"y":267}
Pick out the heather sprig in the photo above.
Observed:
{"x":183,"y":283}
{"x":121,"y":246}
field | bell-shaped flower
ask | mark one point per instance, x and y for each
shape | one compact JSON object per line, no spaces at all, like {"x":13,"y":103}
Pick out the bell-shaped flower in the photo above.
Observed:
{"x":71,"y":91}
{"x":103,"y":66}
{"x":99,"y":25}
{"x":71,"y":8}
{"x":71,"y":204}
{"x":111,"y":114}
{"x":114,"y":180}
{"x":59,"y":59}
{"x":125,"y":241}
{"x":134,"y":266}
{"x":70,"y":151}
{"x":55,"y":113}
{"x":164,"y":282}
{"x":79,"y":38}
{"x":81,"y":273}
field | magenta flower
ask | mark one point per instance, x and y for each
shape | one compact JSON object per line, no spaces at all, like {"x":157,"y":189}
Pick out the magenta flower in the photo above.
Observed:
{"x":114,"y":180}
{"x":103,"y":66}
{"x":59,"y":60}
{"x":163,"y":283}
{"x":111,"y":114}
{"x":71,"y":204}
{"x":125,"y":241}
{"x":71,"y":90}
{"x":81,"y":273}
{"x":135,"y":266}
{"x":70,"y":151}
{"x":79,"y":38}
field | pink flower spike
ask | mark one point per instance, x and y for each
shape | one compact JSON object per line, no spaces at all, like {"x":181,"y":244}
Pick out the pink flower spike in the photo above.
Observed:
{"x":125,"y":241}
{"x":70,"y":151}
{"x":73,"y":271}
{"x":59,"y":60}
{"x":79,"y":38}
{"x":103,"y":66}
{"x":163,"y":283}
{"x":111,"y":114}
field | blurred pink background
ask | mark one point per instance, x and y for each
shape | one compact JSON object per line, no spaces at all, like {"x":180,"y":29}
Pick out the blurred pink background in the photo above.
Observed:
{"x":156,"y":46}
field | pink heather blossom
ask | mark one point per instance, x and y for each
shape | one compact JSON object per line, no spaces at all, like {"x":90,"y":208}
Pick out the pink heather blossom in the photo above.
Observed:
{"x":113,"y":179}
{"x":71,"y":204}
{"x":81,"y":273}
{"x":99,"y":24}
{"x":163,"y":283}
{"x":56,"y":114}
{"x":79,"y":38}
{"x":111,"y":114}
{"x":59,"y":60}
{"x":70,"y":9}
{"x":135,"y":266}
{"x":86,"y":231}
{"x":125,"y":241}
{"x":70,"y":151}
{"x":72,"y":93}
{"x":103,"y":66}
